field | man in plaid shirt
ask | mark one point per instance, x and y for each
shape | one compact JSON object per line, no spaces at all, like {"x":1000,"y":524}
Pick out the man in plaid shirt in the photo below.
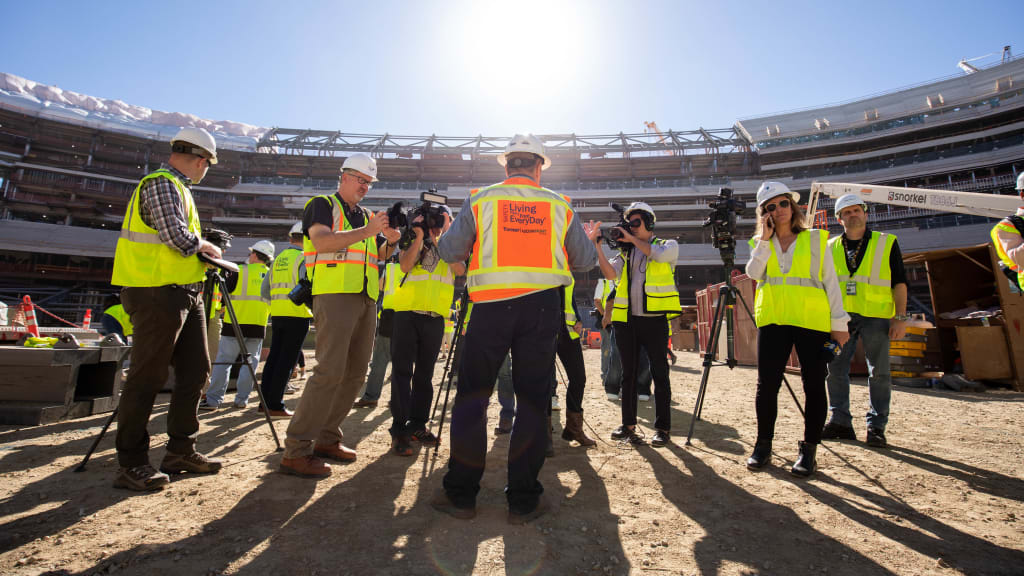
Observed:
{"x":156,"y":262}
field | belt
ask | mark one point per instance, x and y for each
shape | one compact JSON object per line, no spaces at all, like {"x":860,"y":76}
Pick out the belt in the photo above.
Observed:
{"x":195,"y":287}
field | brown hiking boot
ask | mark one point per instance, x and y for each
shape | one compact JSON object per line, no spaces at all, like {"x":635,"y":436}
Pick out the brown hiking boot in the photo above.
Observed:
{"x":336,"y":452}
{"x":194,"y":463}
{"x":142,"y":478}
{"x":574,"y":430}
{"x":305,"y":466}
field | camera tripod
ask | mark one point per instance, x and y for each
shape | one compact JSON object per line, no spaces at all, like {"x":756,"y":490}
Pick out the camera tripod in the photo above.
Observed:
{"x":727,"y":297}
{"x":214,"y":275}
{"x":450,"y":366}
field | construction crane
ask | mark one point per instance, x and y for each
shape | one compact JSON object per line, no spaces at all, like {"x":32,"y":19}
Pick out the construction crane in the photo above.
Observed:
{"x":979,"y":204}
{"x":652,"y":126}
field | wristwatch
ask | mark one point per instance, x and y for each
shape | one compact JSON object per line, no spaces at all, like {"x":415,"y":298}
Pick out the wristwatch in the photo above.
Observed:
{"x":901,"y":317}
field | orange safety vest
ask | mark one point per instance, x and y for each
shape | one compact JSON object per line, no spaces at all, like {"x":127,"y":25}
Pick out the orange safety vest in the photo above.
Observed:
{"x":520,"y":240}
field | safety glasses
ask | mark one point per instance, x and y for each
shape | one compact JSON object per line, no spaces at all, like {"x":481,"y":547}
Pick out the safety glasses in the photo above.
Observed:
{"x":780,"y":204}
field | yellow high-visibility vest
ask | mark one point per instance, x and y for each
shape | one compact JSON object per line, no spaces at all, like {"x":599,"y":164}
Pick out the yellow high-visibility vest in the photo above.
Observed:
{"x":520,"y":240}
{"x":284,"y":276}
{"x":1007,"y":226}
{"x":249,"y":307}
{"x":391,"y":271}
{"x":797,"y":298}
{"x":660,"y":293}
{"x":570,"y":312}
{"x":424,"y":291}
{"x":348,"y":271}
{"x":118,"y":313}
{"x":141,"y":259}
{"x":872,"y":279}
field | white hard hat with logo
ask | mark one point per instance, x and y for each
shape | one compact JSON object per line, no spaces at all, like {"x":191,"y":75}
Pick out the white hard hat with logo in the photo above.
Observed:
{"x":361,"y":163}
{"x":770,"y":189}
{"x":528,"y":144}
{"x":296,"y":229}
{"x":640,"y":207}
{"x":848,"y":200}
{"x":265,"y":247}
{"x":1020,"y":181}
{"x":202,"y":143}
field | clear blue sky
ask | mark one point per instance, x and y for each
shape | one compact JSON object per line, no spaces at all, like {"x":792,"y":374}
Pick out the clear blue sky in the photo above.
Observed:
{"x":461,"y":68}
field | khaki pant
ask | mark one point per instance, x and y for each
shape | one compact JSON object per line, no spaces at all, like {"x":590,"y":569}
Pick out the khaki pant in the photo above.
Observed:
{"x":345,"y":325}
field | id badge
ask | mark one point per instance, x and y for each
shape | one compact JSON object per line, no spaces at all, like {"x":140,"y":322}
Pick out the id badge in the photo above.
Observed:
{"x":851,"y":288}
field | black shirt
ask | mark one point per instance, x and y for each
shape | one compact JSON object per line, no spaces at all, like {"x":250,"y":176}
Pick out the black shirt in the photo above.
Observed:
{"x":320,"y":211}
{"x":855,"y":253}
{"x":248,"y":330}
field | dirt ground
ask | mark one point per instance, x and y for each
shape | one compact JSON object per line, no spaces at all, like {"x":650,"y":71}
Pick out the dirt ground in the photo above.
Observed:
{"x":945,"y":498}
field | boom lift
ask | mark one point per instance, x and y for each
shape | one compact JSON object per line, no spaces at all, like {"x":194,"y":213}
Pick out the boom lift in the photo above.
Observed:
{"x":979,"y":204}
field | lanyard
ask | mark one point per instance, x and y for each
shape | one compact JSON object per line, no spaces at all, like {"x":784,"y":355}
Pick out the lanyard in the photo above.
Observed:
{"x":850,"y":264}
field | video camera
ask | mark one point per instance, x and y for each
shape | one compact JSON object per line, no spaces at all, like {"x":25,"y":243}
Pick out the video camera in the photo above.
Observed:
{"x":432,"y":210}
{"x":722,"y":219}
{"x":218,"y":238}
{"x":612,"y":234}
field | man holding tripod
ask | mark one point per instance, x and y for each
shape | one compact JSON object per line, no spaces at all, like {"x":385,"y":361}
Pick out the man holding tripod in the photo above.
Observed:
{"x":646,"y":296}
{"x":423,"y":298}
{"x":157,"y":264}
{"x":522,"y":242}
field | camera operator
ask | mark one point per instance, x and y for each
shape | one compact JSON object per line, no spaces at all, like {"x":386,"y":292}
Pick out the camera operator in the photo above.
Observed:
{"x":289,"y":323}
{"x":157,"y":264}
{"x":423,"y":299}
{"x":253,"y":312}
{"x":645,"y":298}
{"x":798,"y":304}
{"x":343,"y":243}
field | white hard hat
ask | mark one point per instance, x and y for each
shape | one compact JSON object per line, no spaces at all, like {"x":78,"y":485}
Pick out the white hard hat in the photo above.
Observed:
{"x":769,"y":190}
{"x":197,"y":137}
{"x":529,"y":144}
{"x":361,"y":163}
{"x":265,"y":247}
{"x":1020,"y":181}
{"x":296,"y":229}
{"x":848,"y":200}
{"x":640,"y":207}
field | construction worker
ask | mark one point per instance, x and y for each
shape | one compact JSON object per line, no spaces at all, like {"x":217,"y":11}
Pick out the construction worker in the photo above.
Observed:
{"x":380,"y":359}
{"x":528,"y":243}
{"x":342,"y":245}
{"x":423,"y":298}
{"x":115,"y":320}
{"x":156,"y":263}
{"x":289,"y":323}
{"x":1009,"y":243}
{"x":869,"y":266}
{"x":253,"y":311}
{"x":798,"y":304}
{"x":645,"y":298}
{"x":570,"y":353}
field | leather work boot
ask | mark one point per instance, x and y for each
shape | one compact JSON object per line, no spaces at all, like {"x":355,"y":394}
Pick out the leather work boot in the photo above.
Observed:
{"x":504,"y":426}
{"x":805,"y":460}
{"x":833,"y":431}
{"x":305,"y":467}
{"x":574,"y":429}
{"x":761,"y":456}
{"x":194,"y":463}
{"x":336,"y":452}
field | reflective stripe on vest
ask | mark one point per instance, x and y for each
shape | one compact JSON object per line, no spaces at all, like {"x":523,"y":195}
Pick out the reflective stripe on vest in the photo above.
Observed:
{"x":348,"y":271}
{"x":141,"y":259}
{"x":520,"y":241}
{"x":249,"y":307}
{"x":118,"y":313}
{"x":570,"y":313}
{"x":216,"y":305}
{"x":392,"y":271}
{"x":660,"y":293}
{"x":1007,"y":226}
{"x":283,"y":277}
{"x":424,"y":291}
{"x":797,"y":298}
{"x":873,"y":277}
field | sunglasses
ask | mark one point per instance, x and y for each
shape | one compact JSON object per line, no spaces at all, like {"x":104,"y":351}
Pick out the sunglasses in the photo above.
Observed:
{"x":636,"y":223}
{"x":772,"y":207}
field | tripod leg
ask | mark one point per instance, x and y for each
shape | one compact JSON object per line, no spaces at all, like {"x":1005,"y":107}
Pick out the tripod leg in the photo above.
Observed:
{"x":739,"y":296}
{"x":96,"y":442}
{"x":245,"y":354}
{"x":449,"y":373}
{"x":709,"y":356}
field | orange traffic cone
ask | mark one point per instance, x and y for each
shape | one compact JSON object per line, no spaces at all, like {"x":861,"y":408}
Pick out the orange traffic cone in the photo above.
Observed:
{"x":88,"y":319}
{"x":30,"y":316}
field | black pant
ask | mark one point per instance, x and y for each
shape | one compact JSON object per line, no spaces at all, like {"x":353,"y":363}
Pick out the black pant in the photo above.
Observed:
{"x":570,"y":352}
{"x":286,"y":336}
{"x":774,"y":344}
{"x":415,"y":344}
{"x":170,"y":328}
{"x":528,"y":326}
{"x":650,"y":334}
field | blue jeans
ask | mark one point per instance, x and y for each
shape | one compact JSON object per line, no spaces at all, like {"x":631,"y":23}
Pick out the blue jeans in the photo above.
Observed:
{"x":378,"y":367}
{"x":875,"y":334}
{"x":607,"y":346}
{"x":506,"y":393}
{"x":228,"y":351}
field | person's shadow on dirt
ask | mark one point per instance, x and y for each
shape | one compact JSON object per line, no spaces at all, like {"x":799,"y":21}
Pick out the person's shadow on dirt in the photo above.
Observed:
{"x":918,"y":531}
{"x":737,"y":526}
{"x":985,"y":481}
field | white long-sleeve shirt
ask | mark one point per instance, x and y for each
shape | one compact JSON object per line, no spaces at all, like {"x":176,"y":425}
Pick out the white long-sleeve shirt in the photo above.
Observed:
{"x":759,"y":262}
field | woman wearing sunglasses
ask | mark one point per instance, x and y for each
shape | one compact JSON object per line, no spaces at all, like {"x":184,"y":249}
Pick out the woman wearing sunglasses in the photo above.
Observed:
{"x":799,"y":305}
